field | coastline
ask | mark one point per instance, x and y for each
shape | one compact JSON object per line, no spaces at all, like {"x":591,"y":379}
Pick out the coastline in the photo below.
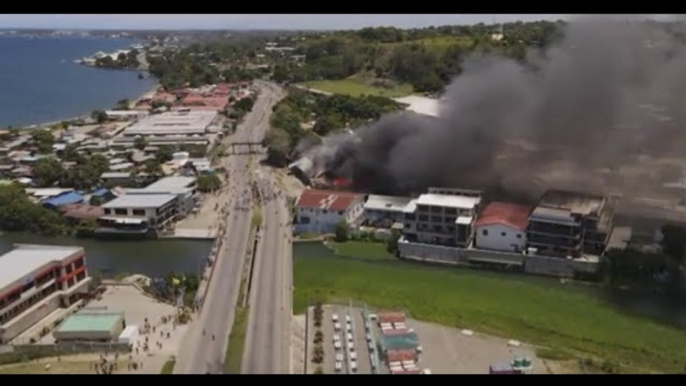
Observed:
{"x":147,"y":94}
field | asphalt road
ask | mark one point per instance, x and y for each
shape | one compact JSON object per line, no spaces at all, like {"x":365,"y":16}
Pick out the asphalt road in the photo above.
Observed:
{"x":268,"y":338}
{"x":206,"y":340}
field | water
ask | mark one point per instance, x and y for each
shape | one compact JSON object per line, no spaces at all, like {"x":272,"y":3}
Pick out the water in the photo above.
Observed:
{"x":154,"y":258}
{"x":41,"y":83}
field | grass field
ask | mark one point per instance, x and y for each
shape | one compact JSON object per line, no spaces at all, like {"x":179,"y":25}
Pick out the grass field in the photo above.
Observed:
{"x":564,"y":319}
{"x":234,"y":350}
{"x":363,"y":250}
{"x":357,"y":88}
{"x":168,"y":367}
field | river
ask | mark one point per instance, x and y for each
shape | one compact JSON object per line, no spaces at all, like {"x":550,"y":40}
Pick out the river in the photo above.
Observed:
{"x":150,"y":257}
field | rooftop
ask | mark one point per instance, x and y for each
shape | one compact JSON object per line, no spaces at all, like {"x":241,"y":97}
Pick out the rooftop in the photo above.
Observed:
{"x":90,"y":321}
{"x":171,"y":183}
{"x":140,"y":201}
{"x":577,"y":203}
{"x":64,"y":199}
{"x":175,"y":122}
{"x":394,"y":203}
{"x":327,"y":199}
{"x":446,"y":201}
{"x":115,"y":175}
{"x":503,"y":213}
{"x":26,"y":258}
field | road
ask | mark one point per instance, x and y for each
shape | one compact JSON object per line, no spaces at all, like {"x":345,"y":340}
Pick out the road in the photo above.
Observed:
{"x":268,"y":338}
{"x":200,"y":353}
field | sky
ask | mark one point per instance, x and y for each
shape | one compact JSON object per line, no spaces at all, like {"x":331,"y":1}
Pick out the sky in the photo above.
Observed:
{"x":255,"y":21}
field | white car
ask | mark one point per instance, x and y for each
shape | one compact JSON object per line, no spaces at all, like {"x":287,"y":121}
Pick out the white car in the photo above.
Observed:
{"x":337,"y":345}
{"x":336,"y":337}
{"x":349,"y":337}
{"x":334,"y":317}
{"x":348,"y":319}
{"x":353,"y":355}
{"x":337,"y":326}
{"x":338,"y":366}
{"x":339,"y":357}
{"x":353,"y":366}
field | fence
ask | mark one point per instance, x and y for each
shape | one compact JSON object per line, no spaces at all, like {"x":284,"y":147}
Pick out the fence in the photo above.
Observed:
{"x":540,"y":265}
{"x":24,"y":352}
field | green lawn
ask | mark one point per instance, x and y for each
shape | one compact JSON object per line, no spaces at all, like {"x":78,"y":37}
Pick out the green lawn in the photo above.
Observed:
{"x":234,"y":350}
{"x":564,"y":318}
{"x":356,"y":88}
{"x":168,"y":367}
{"x":364,"y":250}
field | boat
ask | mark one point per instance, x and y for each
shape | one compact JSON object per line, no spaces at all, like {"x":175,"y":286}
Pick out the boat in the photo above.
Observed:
{"x":141,"y":76}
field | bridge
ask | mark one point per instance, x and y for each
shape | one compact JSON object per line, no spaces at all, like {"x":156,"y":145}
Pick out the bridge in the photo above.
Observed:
{"x":244,"y":148}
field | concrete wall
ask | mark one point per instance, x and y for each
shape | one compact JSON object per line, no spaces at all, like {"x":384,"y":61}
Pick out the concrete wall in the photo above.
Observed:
{"x":539,"y":265}
{"x":494,"y":239}
{"x":17,"y":353}
{"x":24,"y":321}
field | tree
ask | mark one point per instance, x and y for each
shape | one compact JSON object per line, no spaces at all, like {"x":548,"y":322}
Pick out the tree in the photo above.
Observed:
{"x":342,"y":231}
{"x":164,"y":154}
{"x":244,"y":105}
{"x":278,"y":146}
{"x":18,"y":213}
{"x":47,"y":171}
{"x":99,"y":116}
{"x":43,"y":139}
{"x":152,"y":166}
{"x":96,"y":200}
{"x":122,"y":104}
{"x":140,"y":143}
{"x":392,"y":244}
{"x":209,"y":183}
{"x":71,"y":154}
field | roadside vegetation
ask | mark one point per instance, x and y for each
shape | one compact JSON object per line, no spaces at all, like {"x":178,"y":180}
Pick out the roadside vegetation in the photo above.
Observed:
{"x":568,"y":320}
{"x":168,"y":367}
{"x":236,"y":346}
{"x":356,"y":88}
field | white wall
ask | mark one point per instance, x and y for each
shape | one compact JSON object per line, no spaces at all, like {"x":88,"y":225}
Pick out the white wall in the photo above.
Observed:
{"x":327,"y":218}
{"x":496,"y":241}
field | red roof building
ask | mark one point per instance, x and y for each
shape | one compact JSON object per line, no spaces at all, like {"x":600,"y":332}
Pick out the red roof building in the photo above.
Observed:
{"x":319,"y":211}
{"x":502,"y":226}
{"x":392,"y":317}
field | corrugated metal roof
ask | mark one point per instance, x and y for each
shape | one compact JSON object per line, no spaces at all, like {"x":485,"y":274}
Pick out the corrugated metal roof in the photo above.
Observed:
{"x":64,"y":199}
{"x":503,"y":213}
{"x":140,"y":201}
{"x":327,"y":199}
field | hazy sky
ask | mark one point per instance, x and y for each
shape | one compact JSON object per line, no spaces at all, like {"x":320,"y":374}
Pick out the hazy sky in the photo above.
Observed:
{"x":261,"y":21}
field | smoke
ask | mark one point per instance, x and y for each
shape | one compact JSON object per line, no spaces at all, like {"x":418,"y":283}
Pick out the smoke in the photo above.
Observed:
{"x":584,"y":115}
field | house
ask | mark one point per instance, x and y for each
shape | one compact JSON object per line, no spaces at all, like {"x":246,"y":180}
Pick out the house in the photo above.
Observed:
{"x":125,"y":115}
{"x":184,"y":188}
{"x":319,"y":211}
{"x":137,"y":213}
{"x":115,"y":178}
{"x":81,"y":212}
{"x":442,"y":217}
{"x":501,"y":226}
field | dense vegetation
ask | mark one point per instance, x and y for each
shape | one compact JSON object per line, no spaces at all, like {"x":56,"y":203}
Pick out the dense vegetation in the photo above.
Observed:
{"x":85,"y":174}
{"x":18,"y":213}
{"x":305,"y":116}
{"x":123,"y":61}
{"x":425,"y":58}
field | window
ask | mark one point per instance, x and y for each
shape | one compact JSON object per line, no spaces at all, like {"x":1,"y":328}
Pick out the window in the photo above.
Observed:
{"x":484,"y":232}
{"x":423,"y":217}
{"x":436,"y":209}
{"x":503,"y":234}
{"x":519,"y":235}
{"x":325,"y":211}
{"x":340,"y":213}
{"x":435,"y":219}
{"x":109,"y":211}
{"x":450,"y":220}
{"x":450,"y":211}
{"x":121,"y":212}
{"x":69,"y":269}
{"x":139,"y":212}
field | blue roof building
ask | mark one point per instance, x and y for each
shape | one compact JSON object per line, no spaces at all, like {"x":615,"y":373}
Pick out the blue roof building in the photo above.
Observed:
{"x":63,"y":199}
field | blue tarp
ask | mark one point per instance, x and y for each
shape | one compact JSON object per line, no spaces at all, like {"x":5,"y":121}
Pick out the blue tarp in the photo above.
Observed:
{"x":64,"y":199}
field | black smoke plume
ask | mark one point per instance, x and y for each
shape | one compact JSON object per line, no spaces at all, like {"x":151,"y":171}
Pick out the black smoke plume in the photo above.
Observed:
{"x":601,"y":110}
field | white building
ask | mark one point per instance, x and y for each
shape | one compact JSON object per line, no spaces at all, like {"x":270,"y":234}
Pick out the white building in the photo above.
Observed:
{"x":125,"y":115}
{"x":36,"y":280}
{"x":442,"y":219}
{"x":319,"y":211}
{"x":184,"y":188}
{"x":384,"y":211}
{"x":502,"y":227}
{"x":180,"y":122}
{"x":140,"y":210}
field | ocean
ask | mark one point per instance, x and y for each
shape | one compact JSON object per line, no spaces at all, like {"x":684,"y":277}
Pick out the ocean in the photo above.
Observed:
{"x":39,"y":81}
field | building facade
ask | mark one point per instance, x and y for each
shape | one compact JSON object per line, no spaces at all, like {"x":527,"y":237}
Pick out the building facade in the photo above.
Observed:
{"x":569,"y":224}
{"x":35,"y":280}
{"x":384,"y":211}
{"x":502,"y":227}
{"x":319,"y":211}
{"x":442,"y":219}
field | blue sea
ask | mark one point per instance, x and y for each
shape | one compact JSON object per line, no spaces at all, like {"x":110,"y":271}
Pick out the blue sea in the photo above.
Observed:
{"x":39,"y":81}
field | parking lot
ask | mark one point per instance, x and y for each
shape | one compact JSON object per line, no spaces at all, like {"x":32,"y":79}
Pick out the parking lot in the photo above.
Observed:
{"x":346,"y":348}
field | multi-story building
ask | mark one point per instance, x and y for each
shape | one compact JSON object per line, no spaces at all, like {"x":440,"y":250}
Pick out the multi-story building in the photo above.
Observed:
{"x":442,"y":219}
{"x":35,"y":280}
{"x":319,"y":211}
{"x":137,"y":214}
{"x":384,"y":211}
{"x":184,"y":188}
{"x":569,"y":224}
